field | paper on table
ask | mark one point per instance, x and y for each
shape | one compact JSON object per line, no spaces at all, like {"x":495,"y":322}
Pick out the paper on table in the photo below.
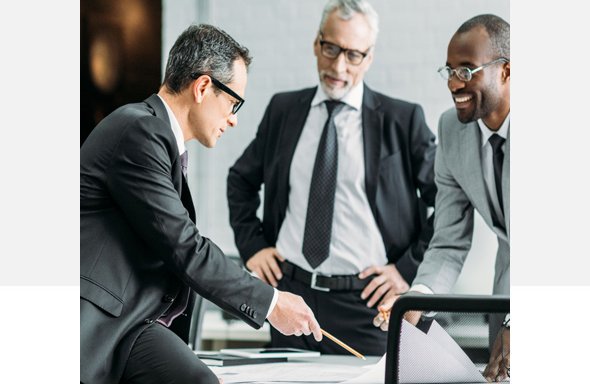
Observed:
{"x":426,"y":358}
{"x":294,"y":372}
{"x":374,"y":373}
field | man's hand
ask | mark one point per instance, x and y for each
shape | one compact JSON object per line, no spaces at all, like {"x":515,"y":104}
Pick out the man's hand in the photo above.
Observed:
{"x":291,"y":316}
{"x":498,"y":367}
{"x":264,"y":264}
{"x":382,"y":319}
{"x":388,"y":281}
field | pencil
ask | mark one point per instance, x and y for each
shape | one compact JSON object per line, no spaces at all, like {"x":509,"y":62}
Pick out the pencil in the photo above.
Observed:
{"x":340,"y":343}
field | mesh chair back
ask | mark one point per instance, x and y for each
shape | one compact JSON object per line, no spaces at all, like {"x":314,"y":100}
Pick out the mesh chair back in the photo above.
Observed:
{"x":450,"y":343}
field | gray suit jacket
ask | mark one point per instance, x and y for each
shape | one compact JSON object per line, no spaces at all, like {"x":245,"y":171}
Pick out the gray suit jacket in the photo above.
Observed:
{"x":139,"y":246}
{"x":461,"y":189}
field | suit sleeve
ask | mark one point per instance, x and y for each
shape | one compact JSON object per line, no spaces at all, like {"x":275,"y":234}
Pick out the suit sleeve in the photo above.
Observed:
{"x":244,"y":182}
{"x":140,"y":181}
{"x":453,"y":228}
{"x":423,"y":151}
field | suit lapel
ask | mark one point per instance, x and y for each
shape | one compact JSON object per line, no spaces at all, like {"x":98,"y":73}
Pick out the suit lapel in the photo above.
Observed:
{"x":372,"y":120}
{"x":290,"y":132}
{"x":187,"y":200}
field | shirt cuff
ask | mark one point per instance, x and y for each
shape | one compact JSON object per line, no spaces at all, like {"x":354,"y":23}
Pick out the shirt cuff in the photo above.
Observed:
{"x":275,"y":298}
{"x":422,"y":289}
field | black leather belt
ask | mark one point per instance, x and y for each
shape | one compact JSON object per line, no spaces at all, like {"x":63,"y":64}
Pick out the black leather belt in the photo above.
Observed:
{"x":324,"y":282}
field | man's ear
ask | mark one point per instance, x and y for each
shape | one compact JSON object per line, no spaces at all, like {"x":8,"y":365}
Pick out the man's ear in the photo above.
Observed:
{"x":200,"y":87}
{"x":506,"y":72}
{"x":316,"y":46}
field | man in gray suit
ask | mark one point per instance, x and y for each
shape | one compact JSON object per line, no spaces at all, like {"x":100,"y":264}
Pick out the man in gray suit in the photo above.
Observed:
{"x":472,"y":169}
{"x":141,"y":256}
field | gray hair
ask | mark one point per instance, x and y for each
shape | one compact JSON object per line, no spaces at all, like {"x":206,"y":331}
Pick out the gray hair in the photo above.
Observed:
{"x":497,"y":28}
{"x":347,"y":8}
{"x":203,"y":49}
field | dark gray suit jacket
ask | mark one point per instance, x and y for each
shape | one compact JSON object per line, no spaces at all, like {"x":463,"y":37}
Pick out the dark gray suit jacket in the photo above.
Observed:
{"x":138,"y":246}
{"x":399,"y":153}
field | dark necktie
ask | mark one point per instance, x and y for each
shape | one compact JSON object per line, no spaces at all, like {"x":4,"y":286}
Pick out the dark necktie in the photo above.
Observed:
{"x":496,"y":142}
{"x":320,"y":208}
{"x":184,"y":162}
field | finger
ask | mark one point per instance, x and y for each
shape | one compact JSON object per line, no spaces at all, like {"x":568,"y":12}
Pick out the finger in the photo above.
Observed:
{"x":258,"y":272}
{"x":275,"y":269}
{"x":373,"y":284}
{"x":377,"y":320}
{"x":278,"y":255}
{"x":298,"y":333}
{"x":269,"y":275}
{"x":314,"y":327}
{"x":379,"y":293}
{"x":384,"y":326}
{"x":368,"y":272}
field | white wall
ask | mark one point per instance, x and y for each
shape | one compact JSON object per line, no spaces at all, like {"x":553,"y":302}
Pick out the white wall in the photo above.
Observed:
{"x":411,"y":46}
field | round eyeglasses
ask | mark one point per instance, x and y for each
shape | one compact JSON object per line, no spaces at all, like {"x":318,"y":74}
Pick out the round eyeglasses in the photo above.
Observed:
{"x":464,"y":73}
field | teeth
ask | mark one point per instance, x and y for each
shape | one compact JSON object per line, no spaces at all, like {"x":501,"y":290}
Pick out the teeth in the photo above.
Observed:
{"x":462,"y":99}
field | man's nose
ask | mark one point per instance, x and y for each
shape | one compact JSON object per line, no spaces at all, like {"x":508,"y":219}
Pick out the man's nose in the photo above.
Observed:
{"x":232,"y":120}
{"x":455,"y":84}
{"x":339,"y":63}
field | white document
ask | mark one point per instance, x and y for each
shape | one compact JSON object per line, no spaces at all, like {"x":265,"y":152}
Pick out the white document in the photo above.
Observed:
{"x":373,"y":374}
{"x":293,"y":372}
{"x":270,"y":352}
{"x":433,"y":358}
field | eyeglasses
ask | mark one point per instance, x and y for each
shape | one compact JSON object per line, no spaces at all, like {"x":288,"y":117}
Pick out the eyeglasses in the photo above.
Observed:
{"x":237,"y":105}
{"x":464,"y":73}
{"x":332,"y":51}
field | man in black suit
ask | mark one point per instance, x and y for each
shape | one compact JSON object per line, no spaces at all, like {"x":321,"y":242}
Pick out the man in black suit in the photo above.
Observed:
{"x":141,"y":256}
{"x":376,"y":225}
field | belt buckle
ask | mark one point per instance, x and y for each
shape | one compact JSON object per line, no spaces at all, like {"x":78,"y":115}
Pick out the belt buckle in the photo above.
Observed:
{"x":313,"y":285}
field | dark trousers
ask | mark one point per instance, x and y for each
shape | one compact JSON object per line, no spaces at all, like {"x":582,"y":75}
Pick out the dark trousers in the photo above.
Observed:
{"x":160,"y":356}
{"x":343,"y":314}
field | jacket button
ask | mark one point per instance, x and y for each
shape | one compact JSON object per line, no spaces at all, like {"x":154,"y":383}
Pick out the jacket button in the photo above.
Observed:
{"x":243,"y":307}
{"x":148,"y":321}
{"x":168,"y":298}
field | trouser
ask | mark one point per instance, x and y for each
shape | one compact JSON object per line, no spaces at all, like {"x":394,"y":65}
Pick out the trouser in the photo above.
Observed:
{"x":343,"y":314}
{"x":160,"y":356}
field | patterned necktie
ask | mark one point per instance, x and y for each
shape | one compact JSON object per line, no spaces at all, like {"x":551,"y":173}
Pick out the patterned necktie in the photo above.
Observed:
{"x":496,"y":141}
{"x":184,"y":163}
{"x":320,"y":208}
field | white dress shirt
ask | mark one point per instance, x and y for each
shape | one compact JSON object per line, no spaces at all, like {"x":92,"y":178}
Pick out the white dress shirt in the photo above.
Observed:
{"x":487,"y":162}
{"x":356,"y":242}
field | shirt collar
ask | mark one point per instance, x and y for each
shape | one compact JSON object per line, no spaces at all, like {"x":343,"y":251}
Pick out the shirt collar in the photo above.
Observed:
{"x":354,"y":98}
{"x":175,"y":128}
{"x":486,"y":133}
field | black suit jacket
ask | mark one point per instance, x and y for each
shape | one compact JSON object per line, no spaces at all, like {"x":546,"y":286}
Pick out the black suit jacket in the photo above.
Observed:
{"x":399,"y":152}
{"x":138,"y":246}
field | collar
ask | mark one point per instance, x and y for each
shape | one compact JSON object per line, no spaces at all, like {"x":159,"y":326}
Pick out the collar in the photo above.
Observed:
{"x":354,"y":97}
{"x":175,"y":128}
{"x":486,"y":132}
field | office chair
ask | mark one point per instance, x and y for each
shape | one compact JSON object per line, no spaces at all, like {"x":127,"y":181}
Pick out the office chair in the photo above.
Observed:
{"x":471,"y":321}
{"x":194,"y":339}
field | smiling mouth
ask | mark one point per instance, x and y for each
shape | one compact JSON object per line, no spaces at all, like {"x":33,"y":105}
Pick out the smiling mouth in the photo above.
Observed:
{"x":462,"y":99}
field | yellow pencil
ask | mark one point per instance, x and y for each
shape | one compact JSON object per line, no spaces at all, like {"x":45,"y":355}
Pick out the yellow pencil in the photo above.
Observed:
{"x":340,"y":343}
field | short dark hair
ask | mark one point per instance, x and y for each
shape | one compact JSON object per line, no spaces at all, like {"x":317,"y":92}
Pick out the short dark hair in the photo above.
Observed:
{"x":204,"y":49}
{"x":497,"y":28}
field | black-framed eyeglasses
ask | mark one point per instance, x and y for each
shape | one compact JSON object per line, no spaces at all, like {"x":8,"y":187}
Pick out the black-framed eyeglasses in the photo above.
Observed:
{"x":464,"y":73}
{"x":332,"y":51}
{"x":237,"y":105}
